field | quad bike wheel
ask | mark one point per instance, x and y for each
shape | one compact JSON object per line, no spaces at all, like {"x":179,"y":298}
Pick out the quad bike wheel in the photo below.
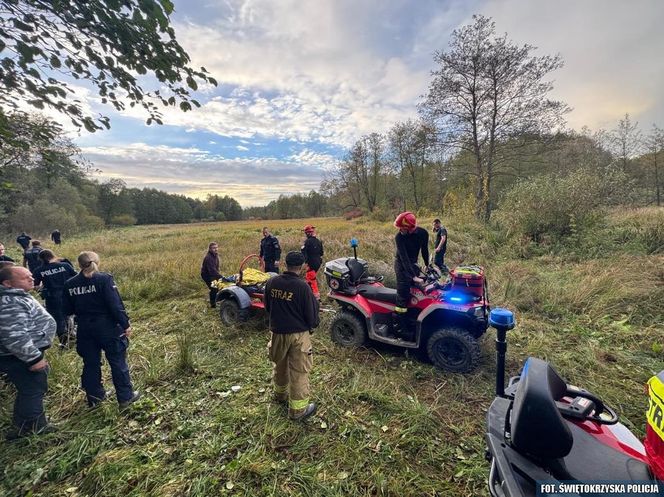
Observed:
{"x":347,"y":330}
{"x":454,"y":350}
{"x":231,"y":314}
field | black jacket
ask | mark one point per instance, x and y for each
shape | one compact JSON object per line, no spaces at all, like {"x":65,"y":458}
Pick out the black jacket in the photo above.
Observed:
{"x":210,"y":267}
{"x":23,"y":241}
{"x":313,"y":252}
{"x":53,"y":275}
{"x":94,"y":297}
{"x":408,"y":250}
{"x":32,"y":258}
{"x":290,"y":304}
{"x":270,"y":249}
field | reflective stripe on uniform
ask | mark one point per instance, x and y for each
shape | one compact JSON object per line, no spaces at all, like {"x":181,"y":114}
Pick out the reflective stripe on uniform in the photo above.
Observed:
{"x":280,"y":388}
{"x":655,"y":413}
{"x":298,"y":405}
{"x":400,"y":310}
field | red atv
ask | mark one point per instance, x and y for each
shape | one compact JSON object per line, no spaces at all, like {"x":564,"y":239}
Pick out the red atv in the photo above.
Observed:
{"x":446,"y":319}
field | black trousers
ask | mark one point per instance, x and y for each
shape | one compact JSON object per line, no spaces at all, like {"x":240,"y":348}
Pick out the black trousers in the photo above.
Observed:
{"x":54,"y":308}
{"x":213,"y":292}
{"x":31,"y":386}
{"x":95,"y":336}
{"x":270,"y":267}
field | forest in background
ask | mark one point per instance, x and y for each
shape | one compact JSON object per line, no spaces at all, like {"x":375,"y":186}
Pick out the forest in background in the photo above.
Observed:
{"x":489,"y":143}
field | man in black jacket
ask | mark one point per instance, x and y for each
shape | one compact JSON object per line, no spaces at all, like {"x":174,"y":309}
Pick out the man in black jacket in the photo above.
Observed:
{"x":210,"y":270}
{"x":293,"y":312}
{"x":23,"y":240}
{"x":31,"y":256}
{"x":270,"y":251}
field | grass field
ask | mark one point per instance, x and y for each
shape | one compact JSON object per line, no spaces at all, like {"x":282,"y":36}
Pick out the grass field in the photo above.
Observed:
{"x":388,"y":423}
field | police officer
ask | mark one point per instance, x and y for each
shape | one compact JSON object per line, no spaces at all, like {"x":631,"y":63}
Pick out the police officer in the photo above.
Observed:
{"x":440,"y":245}
{"x":270,"y":251}
{"x":23,"y":240}
{"x":52,"y":275}
{"x":410,"y":240}
{"x":31,"y":256}
{"x":313,"y":257}
{"x":293,"y":312}
{"x":56,"y":237}
{"x":103,"y":324}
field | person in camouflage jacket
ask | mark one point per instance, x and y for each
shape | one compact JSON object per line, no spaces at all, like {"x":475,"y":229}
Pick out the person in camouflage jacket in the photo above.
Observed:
{"x":26,"y":331}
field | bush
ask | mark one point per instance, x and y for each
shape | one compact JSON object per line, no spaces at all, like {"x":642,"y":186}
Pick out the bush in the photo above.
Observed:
{"x":554,"y":206}
{"x":42,"y":217}
{"x":123,"y":220}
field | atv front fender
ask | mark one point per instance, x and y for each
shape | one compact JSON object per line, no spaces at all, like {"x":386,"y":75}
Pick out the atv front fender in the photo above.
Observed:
{"x":235,"y":292}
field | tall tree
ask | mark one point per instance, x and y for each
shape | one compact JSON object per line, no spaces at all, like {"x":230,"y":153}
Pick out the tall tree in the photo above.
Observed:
{"x":409,"y":147}
{"x":486,"y":91}
{"x":626,"y":142}
{"x":655,"y":147}
{"x":110,"y":43}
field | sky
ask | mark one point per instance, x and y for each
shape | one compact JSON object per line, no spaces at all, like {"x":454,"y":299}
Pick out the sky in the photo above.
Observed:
{"x":301,"y":80}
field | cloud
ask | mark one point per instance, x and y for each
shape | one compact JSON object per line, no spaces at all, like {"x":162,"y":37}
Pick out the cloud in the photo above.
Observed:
{"x":611,"y":48}
{"x":197,"y":172}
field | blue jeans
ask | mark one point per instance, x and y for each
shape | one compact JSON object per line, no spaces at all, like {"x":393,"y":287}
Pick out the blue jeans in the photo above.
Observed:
{"x":31,"y":386}
{"x":95,"y":335}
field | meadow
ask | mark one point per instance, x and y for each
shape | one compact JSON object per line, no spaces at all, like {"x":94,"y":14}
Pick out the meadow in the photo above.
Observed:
{"x":388,"y":423}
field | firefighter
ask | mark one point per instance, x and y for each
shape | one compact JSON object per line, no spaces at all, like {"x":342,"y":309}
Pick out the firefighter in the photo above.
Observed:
{"x":210,"y":271}
{"x":410,"y":241}
{"x":103,"y":324}
{"x":23,"y":240}
{"x":293,"y":312}
{"x":270,"y":252}
{"x":31,"y":256}
{"x":52,"y":275}
{"x":313,"y":257}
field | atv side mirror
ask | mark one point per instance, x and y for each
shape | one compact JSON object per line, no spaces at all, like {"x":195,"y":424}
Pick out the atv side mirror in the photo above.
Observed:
{"x":502,"y":320}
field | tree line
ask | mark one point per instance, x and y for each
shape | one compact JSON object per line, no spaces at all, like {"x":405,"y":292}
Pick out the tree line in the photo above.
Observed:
{"x":486,"y":125}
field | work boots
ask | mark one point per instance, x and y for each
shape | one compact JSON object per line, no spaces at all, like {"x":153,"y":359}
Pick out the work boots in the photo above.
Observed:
{"x":302,"y":414}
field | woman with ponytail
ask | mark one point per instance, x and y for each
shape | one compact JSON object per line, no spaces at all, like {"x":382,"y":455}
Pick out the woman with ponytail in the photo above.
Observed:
{"x":103,"y":324}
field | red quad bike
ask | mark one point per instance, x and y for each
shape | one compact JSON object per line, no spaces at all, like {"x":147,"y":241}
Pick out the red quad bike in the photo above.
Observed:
{"x":542,"y":433}
{"x":445,"y":320}
{"x":239,"y":301}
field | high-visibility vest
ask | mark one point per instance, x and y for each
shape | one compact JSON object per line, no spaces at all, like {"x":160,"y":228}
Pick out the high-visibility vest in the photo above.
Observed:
{"x":654,"y":442}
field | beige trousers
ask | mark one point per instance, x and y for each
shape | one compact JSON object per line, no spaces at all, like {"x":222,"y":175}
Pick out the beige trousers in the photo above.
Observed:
{"x":292,"y":356}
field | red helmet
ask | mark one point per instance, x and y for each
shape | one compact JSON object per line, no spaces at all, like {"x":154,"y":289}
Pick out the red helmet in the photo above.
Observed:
{"x":406,"y":220}
{"x":309,"y":229}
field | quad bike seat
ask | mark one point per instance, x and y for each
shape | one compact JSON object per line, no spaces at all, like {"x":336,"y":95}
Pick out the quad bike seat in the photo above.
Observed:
{"x":378,"y":293}
{"x":539,"y":430}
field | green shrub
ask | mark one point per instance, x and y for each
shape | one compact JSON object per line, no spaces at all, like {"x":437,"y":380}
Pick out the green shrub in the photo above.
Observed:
{"x":123,"y":220}
{"x":551,"y":207}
